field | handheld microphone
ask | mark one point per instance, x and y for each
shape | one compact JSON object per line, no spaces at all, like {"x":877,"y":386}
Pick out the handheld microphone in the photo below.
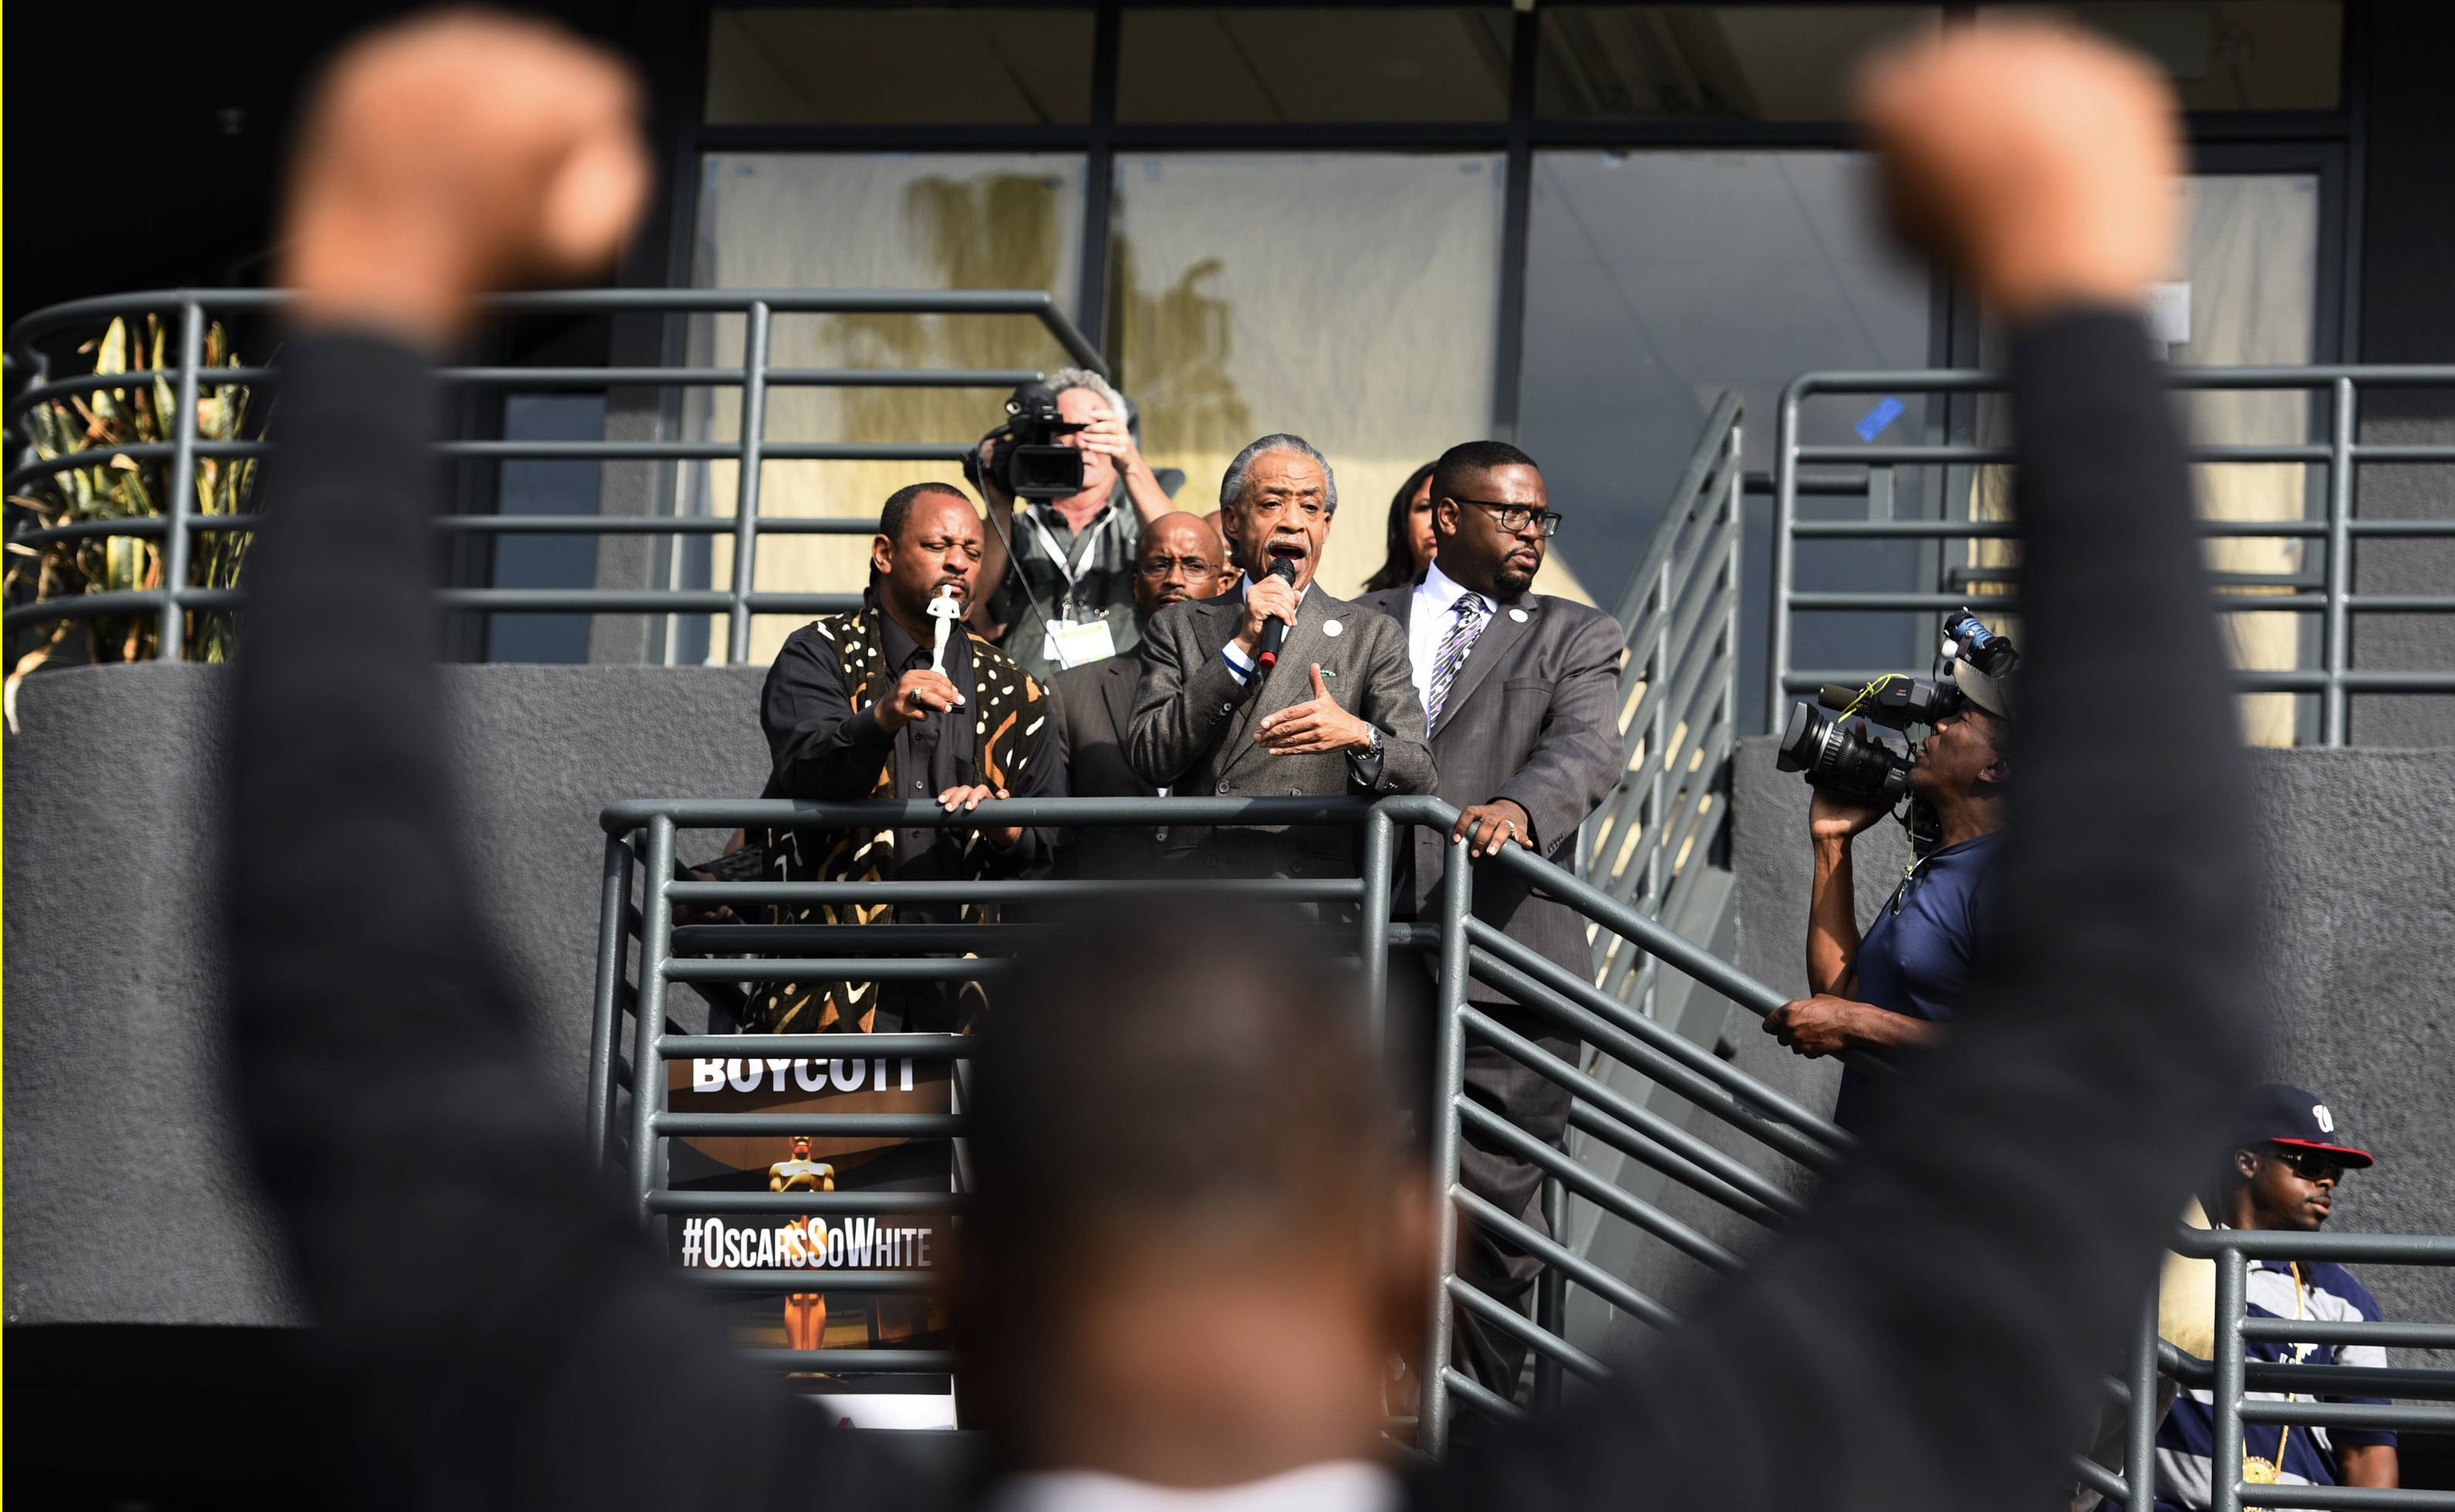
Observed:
{"x":1274,"y":632}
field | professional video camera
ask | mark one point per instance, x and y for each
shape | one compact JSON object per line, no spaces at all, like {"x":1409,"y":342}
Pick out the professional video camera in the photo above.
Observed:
{"x":1976,"y":668}
{"x":1026,"y":460}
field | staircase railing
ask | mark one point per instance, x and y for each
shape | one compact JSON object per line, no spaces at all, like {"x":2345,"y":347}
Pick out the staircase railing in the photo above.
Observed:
{"x":1789,"y":1144}
{"x":1678,"y":714}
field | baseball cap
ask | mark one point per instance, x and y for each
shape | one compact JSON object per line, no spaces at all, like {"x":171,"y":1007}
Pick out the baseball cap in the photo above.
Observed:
{"x":2282,"y":1115}
{"x":1993,"y":694}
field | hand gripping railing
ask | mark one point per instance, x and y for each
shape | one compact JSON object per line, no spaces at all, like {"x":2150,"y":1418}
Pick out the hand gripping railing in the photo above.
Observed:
{"x":179,"y":523}
{"x":2327,"y":592}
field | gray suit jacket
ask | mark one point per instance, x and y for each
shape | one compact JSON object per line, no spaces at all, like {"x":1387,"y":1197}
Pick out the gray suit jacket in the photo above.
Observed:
{"x":1193,"y":726}
{"x":1095,"y":706}
{"x":1531,"y":718}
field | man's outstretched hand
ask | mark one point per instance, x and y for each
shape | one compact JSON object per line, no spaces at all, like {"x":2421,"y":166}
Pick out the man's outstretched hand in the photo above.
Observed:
{"x":453,"y":154}
{"x":2037,"y":162}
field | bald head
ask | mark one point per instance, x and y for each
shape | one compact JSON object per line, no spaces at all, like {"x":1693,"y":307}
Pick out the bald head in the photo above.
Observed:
{"x":1180,"y":558}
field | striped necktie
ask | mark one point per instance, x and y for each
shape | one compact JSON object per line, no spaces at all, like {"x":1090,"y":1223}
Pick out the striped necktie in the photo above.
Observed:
{"x":1451,"y":655}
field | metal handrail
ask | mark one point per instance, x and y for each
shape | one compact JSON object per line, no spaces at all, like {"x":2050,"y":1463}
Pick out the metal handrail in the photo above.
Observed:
{"x":1679,"y":615}
{"x":2341,"y":456}
{"x":641,"y":837}
{"x":739,"y":601}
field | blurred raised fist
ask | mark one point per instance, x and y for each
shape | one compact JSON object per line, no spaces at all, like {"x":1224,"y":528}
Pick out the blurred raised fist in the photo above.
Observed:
{"x":2038,"y":162}
{"x":455,"y":154}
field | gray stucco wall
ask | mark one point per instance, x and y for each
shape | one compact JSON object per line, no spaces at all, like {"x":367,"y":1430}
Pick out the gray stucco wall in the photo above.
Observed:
{"x":2359,"y":935}
{"x":126,"y":1205}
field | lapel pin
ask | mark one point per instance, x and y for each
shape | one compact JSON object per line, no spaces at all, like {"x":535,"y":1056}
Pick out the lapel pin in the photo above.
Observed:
{"x":1332,"y":628}
{"x":1518,"y":615}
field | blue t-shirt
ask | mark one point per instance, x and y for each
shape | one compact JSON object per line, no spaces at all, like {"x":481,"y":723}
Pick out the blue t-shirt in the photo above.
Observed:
{"x":2327,"y":1291}
{"x":1917,"y":956}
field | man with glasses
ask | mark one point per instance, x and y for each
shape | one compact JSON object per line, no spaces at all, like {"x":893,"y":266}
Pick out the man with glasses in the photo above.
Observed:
{"x":1333,"y":710}
{"x":1521,"y":695}
{"x":2288,"y":1158}
{"x":1179,"y":559}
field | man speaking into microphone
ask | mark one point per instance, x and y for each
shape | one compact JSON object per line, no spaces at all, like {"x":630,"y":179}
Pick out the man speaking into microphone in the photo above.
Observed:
{"x":1276,"y":690}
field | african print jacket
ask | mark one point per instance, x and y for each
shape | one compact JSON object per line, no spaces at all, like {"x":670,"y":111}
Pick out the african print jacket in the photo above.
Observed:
{"x":826,"y":679}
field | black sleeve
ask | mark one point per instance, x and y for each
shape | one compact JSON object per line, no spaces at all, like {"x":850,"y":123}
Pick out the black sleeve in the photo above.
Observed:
{"x":1932,"y":1334}
{"x":822,"y":750}
{"x":1044,"y":776}
{"x":501,"y":1332}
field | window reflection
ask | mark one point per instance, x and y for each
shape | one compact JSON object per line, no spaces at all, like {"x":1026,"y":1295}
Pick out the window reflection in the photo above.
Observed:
{"x":1313,"y":65}
{"x":1349,"y":298}
{"x":1003,"y":68}
{"x":883,"y":220}
{"x":1654,"y":280}
{"x":2235,"y":55}
{"x":1732,"y":63}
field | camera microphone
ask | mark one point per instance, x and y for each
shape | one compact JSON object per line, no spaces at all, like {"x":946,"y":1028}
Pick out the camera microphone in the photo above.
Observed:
{"x":1274,"y":632}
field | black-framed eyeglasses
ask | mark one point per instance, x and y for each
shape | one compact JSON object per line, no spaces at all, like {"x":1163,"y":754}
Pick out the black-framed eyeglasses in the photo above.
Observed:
{"x":2310,"y":1165}
{"x":1514,"y":518}
{"x":1157,"y":568}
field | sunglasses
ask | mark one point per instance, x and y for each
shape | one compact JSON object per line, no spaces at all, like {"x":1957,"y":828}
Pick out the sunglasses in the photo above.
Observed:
{"x":2310,"y":1165}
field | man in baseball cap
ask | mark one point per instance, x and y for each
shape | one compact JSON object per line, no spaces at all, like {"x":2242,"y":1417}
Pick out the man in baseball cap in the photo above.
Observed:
{"x":2287,"y":1156}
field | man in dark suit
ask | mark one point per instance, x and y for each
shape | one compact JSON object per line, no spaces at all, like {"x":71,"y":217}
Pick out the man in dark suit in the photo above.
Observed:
{"x":1337,"y":715}
{"x":1523,"y":693}
{"x":1178,"y":559}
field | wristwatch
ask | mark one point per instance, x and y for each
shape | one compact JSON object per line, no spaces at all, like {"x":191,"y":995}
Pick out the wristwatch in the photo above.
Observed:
{"x":1371,"y":743}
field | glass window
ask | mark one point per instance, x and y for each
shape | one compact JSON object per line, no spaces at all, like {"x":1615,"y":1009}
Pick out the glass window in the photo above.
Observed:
{"x":1351,"y":298}
{"x":1313,"y":65}
{"x":1731,"y":63}
{"x":1653,"y":281}
{"x":2236,"y":55}
{"x":999,"y":68}
{"x":534,"y":487}
{"x":877,"y":221}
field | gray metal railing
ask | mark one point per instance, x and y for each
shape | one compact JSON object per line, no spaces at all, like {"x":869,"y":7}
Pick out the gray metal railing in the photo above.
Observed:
{"x":179,"y":523}
{"x":2232,"y":1380}
{"x":641,"y":852}
{"x":1678,"y":715}
{"x":2333,"y":526}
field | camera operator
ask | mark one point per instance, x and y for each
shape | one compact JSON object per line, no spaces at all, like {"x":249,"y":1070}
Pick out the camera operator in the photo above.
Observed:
{"x":1893,"y":988}
{"x":1068,"y":598}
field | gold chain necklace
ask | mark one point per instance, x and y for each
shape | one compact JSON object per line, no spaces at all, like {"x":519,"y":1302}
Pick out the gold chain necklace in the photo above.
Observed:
{"x":2256,"y":1471}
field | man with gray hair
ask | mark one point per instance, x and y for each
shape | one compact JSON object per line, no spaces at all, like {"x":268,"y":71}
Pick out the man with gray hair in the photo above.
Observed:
{"x":1332,"y":711}
{"x":1068,"y":596}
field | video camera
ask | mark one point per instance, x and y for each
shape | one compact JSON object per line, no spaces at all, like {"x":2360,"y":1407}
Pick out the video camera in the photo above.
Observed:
{"x":1854,"y":766}
{"x":1026,"y":459}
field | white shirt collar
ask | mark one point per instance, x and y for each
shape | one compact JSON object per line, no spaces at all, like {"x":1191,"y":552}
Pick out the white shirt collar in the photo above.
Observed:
{"x":1334,"y":1485}
{"x":1439,"y":590}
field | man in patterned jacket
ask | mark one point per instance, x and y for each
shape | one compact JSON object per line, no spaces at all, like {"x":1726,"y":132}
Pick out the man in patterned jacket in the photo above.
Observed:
{"x":853,"y":708}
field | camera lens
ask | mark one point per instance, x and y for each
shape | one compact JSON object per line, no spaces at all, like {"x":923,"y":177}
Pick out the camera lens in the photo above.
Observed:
{"x":1838,"y":761}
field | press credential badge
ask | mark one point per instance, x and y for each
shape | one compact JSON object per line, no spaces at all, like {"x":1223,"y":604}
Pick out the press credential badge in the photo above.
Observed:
{"x":1072,"y":642}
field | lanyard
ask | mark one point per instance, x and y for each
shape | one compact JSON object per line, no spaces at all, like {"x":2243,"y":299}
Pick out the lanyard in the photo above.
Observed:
{"x":1073,"y":576}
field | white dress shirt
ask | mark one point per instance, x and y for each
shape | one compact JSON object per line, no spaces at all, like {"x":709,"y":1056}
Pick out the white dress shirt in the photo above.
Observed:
{"x":1429,"y":620}
{"x":1334,"y":1485}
